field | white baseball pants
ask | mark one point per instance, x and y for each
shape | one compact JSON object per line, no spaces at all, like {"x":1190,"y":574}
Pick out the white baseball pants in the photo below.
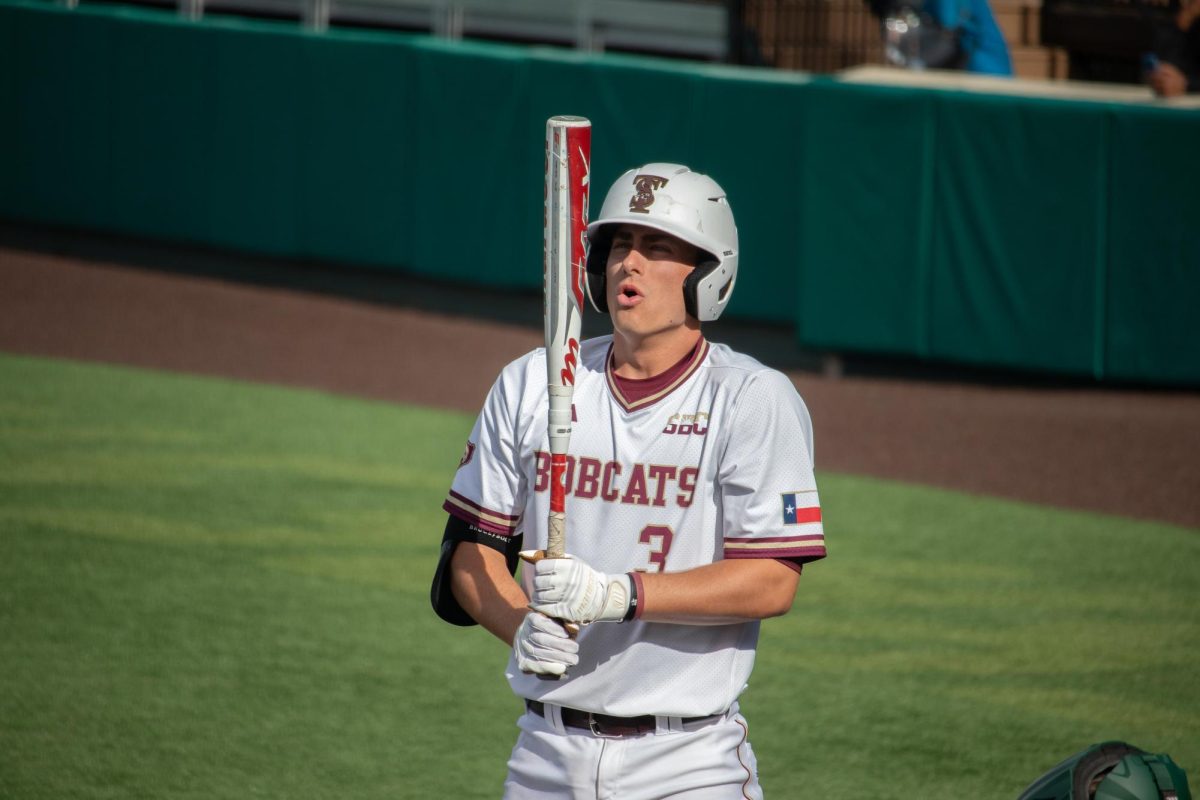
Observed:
{"x":714,"y":762}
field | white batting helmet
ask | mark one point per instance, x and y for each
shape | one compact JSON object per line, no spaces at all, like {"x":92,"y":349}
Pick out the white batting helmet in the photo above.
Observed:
{"x":672,"y":199}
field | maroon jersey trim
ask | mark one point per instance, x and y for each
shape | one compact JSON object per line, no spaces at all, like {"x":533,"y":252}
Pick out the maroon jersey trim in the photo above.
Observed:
{"x":634,"y":394}
{"x":808,"y":547}
{"x":801,"y":555}
{"x":474,"y":514}
{"x":747,"y":541}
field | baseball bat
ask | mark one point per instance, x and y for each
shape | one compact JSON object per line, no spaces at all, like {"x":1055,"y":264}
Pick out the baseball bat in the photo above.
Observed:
{"x":568,"y":170}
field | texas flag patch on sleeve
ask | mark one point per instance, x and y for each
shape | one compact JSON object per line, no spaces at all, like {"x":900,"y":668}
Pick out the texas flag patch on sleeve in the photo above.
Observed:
{"x":796,"y":512}
{"x":801,"y":539}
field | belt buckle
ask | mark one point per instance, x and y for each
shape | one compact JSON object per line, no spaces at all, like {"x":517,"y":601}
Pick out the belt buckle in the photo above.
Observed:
{"x":594,"y":727}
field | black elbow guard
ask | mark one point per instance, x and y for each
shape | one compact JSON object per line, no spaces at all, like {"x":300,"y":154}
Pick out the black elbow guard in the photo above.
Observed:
{"x":441,"y":593}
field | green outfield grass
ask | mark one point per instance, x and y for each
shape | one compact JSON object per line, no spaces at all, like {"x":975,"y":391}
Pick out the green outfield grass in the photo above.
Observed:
{"x":219,"y":590}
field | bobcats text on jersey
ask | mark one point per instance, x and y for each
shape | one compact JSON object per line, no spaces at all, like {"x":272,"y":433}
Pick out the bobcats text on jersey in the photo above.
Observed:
{"x":613,"y":482}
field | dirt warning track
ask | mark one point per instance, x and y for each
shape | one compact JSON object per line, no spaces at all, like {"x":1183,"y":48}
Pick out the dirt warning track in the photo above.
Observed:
{"x":1120,"y":451}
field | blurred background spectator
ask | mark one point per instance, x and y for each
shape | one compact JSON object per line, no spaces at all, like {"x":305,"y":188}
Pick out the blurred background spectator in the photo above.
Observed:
{"x":1174,"y":67}
{"x":1085,"y":40}
{"x":942,"y":34}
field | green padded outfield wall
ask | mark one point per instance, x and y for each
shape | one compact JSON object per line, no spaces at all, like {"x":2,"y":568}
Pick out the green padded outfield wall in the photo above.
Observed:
{"x":1052,"y":235}
{"x":384,"y":149}
{"x":1153,"y":304}
{"x":1055,"y":236}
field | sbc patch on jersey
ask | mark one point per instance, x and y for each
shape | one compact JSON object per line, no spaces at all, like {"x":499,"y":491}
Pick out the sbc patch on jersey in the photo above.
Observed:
{"x":468,"y":453}
{"x":795,"y":512}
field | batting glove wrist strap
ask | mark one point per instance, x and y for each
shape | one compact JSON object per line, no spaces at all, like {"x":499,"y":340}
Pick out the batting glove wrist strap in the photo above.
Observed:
{"x":568,"y":589}
{"x":619,"y":599}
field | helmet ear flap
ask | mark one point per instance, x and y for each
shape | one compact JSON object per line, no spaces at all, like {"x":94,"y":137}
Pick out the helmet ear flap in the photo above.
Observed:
{"x":597,"y":291}
{"x":692,"y":286}
{"x":596,"y":270}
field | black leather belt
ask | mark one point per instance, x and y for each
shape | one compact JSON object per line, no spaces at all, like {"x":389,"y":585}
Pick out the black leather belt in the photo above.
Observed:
{"x":607,"y":725}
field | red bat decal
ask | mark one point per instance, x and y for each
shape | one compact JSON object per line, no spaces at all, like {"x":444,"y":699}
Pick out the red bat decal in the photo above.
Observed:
{"x":579,"y":140}
{"x":570,"y":360}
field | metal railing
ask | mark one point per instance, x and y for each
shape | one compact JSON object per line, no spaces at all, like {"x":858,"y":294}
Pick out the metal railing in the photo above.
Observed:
{"x":809,"y":35}
{"x":697,"y":29}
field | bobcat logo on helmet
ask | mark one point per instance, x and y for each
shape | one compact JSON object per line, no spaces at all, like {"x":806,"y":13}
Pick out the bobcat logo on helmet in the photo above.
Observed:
{"x":643,"y":197}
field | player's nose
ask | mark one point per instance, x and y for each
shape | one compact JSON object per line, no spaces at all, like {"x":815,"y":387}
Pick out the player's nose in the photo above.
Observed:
{"x":634,"y":261}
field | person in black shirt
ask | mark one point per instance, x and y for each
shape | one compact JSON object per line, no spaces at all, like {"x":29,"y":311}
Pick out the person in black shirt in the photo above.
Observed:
{"x":1177,"y":71}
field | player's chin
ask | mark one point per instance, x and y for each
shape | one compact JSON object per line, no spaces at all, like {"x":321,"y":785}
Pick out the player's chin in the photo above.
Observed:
{"x":629,"y":321}
{"x":622,"y":314}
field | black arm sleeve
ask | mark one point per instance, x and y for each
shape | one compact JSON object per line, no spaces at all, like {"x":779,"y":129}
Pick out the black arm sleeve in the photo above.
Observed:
{"x":441,"y":594}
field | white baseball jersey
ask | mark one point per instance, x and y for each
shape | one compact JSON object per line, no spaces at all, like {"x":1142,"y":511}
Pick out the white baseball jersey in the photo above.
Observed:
{"x":712,"y":460}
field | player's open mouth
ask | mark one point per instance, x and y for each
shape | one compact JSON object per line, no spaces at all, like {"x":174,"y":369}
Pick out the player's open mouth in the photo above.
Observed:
{"x":628,"y":296}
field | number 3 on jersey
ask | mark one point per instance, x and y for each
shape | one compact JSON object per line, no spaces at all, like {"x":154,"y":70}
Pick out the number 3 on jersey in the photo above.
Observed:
{"x":659,"y":538}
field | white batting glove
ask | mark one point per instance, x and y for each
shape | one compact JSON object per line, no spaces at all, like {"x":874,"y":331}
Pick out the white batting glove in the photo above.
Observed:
{"x":543,"y":646}
{"x":568,"y":589}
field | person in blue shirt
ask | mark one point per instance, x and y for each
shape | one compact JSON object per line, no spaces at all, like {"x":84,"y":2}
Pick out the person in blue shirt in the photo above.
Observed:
{"x":983,"y":45}
{"x":943,"y":34}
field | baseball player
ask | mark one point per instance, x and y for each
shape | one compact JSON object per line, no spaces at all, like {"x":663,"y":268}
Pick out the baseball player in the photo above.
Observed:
{"x":691,"y":509}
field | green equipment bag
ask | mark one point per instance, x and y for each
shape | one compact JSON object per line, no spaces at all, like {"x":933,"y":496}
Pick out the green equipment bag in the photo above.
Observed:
{"x":1112,"y":771}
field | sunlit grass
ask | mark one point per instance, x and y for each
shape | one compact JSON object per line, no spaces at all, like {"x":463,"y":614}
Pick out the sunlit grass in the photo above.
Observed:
{"x":220,"y":590}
